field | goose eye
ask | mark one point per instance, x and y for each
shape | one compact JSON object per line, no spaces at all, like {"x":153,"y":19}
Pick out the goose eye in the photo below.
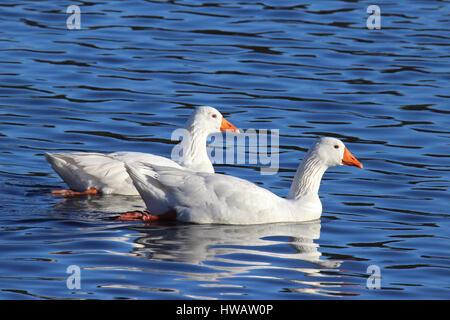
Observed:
{"x":336,"y":146}
{"x":214,"y":116}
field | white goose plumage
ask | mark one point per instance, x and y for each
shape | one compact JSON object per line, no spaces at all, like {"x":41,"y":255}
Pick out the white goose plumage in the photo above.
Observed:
{"x":201,"y":197}
{"x":87,"y":173}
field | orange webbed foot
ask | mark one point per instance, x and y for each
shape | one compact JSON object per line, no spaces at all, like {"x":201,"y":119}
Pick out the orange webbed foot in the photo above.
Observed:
{"x":146,"y":216}
{"x":72,"y":193}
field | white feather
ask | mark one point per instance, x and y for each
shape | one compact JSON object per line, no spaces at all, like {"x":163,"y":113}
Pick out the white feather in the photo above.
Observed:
{"x":107,"y":174}
{"x":201,"y":197}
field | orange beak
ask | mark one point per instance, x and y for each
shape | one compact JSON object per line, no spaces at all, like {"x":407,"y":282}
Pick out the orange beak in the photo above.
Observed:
{"x":227,"y":126}
{"x":350,"y":159}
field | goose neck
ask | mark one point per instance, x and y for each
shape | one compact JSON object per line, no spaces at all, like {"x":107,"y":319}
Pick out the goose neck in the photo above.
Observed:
{"x":193,"y":148}
{"x":308,"y":177}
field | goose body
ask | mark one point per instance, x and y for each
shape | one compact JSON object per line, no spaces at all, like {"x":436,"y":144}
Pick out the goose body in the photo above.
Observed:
{"x":106,"y":173}
{"x":202,"y":197}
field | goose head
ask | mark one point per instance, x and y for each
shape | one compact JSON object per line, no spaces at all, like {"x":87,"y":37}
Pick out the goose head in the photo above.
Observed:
{"x":333,"y":153}
{"x":210,"y":120}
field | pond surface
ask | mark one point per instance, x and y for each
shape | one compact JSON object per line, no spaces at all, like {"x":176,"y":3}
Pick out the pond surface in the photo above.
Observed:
{"x":133,"y":73}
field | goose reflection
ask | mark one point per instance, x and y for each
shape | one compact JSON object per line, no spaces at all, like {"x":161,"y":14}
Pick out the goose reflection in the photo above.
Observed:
{"x":214,"y":255}
{"x":197,"y":243}
{"x":224,"y":252}
{"x":97,"y":207}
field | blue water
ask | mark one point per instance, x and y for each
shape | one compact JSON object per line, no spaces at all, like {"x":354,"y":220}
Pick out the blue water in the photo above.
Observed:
{"x":134,"y":72}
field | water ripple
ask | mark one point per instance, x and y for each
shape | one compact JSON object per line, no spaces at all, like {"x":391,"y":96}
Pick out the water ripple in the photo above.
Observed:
{"x":134,"y":72}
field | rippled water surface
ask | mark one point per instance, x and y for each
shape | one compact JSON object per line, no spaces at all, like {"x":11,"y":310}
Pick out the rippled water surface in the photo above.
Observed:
{"x":134,"y":72}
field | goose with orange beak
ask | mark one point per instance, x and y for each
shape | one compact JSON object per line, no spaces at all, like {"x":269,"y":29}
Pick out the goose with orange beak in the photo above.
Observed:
{"x":93,"y":173}
{"x":200,"y":197}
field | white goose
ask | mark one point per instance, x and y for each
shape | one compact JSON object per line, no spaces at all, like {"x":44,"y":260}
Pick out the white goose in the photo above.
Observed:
{"x":215,"y":198}
{"x":92,"y":173}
